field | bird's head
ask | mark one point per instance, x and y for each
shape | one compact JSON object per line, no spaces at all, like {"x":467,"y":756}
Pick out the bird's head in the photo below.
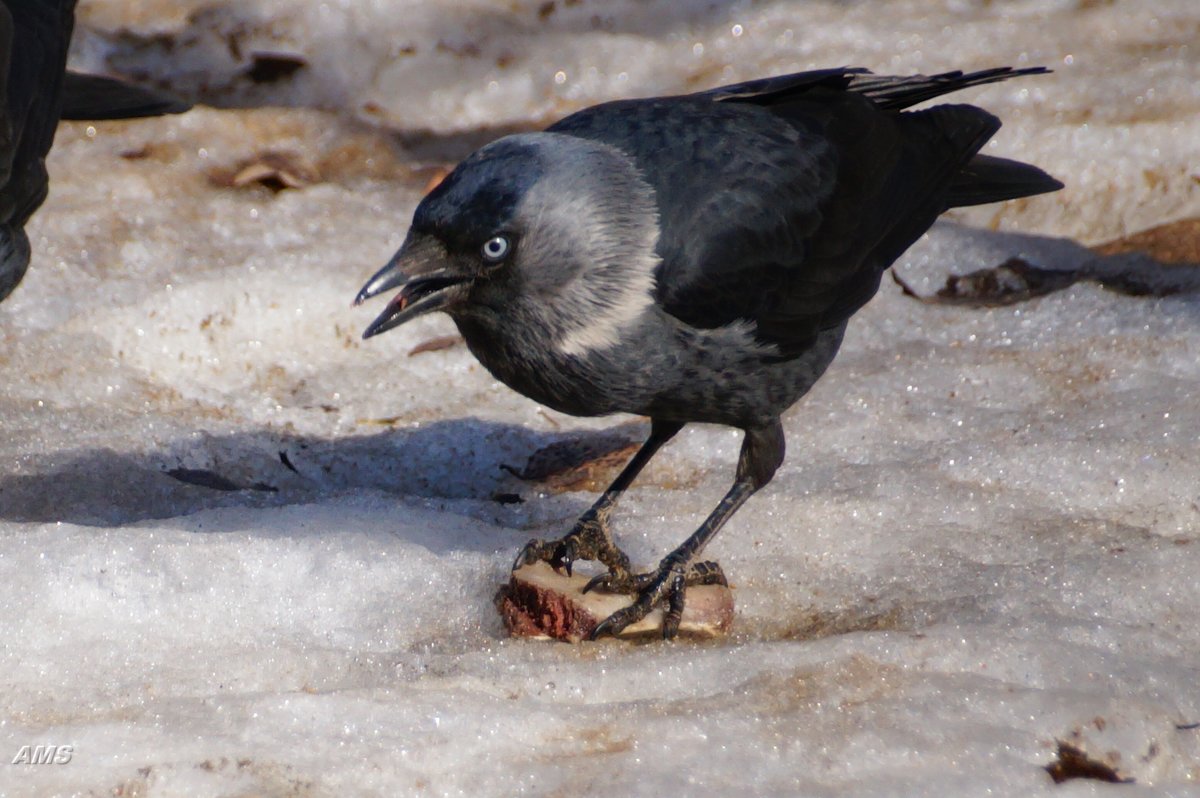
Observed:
{"x":539,"y":225}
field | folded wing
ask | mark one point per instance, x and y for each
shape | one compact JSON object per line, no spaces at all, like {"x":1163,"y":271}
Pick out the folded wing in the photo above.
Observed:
{"x":785,"y":199}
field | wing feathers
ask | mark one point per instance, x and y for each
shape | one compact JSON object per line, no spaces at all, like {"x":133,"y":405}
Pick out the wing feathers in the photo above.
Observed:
{"x":783,"y":200}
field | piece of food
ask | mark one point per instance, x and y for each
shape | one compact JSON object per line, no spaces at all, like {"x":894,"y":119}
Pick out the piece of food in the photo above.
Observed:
{"x":542,"y":603}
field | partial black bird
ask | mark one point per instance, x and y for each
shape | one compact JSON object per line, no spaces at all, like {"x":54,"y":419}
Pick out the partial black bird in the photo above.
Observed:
{"x":37,"y":91}
{"x":691,"y":259}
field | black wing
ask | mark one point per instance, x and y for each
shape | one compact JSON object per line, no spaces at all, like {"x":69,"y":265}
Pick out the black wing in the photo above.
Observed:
{"x":783,"y":200}
{"x":33,"y":52}
{"x":34,"y":37}
{"x":35,"y":92}
{"x":740,"y":197}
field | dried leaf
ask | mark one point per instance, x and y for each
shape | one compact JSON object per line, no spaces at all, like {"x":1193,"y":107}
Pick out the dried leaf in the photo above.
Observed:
{"x":274,"y":67}
{"x":202,"y":477}
{"x":275,"y":170}
{"x":1074,"y":763}
{"x":436,"y":344}
{"x":1174,"y":242}
{"x":584,"y":462}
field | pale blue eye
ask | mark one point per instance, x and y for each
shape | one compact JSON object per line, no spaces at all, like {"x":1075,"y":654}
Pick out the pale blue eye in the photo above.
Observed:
{"x":495,"y":248}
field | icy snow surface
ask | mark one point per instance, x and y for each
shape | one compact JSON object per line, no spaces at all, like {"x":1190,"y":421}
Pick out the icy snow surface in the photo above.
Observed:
{"x":984,"y":539}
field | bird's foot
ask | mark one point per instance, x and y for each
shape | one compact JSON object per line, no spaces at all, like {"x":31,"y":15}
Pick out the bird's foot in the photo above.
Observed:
{"x":589,"y":540}
{"x":665,"y":585}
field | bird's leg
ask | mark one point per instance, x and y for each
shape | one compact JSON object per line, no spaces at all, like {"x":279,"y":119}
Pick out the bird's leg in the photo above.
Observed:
{"x":762,"y":453}
{"x":590,"y":538}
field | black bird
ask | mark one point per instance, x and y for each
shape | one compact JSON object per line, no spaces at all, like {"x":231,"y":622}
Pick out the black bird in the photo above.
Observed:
{"x":691,"y":259}
{"x":35,"y":92}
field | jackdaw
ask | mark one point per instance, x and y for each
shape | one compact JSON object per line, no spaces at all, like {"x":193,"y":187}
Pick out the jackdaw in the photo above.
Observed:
{"x":691,"y":259}
{"x":35,"y":92}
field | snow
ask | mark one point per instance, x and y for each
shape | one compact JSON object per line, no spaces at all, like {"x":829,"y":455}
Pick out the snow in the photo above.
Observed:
{"x":984,"y":539}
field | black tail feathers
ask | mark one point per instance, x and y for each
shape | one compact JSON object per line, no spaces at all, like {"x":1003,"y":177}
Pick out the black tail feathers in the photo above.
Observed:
{"x":986,"y":178}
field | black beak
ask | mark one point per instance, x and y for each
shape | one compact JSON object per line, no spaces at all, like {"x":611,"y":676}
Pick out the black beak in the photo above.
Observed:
{"x":427,"y":280}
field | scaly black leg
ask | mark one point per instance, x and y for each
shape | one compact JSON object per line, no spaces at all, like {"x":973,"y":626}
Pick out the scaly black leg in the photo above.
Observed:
{"x":590,"y":538}
{"x":762,"y":453}
{"x":698,"y":573}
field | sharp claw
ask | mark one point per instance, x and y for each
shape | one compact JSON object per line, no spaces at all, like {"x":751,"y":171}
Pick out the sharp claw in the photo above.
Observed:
{"x":594,"y":583}
{"x":526,"y":555}
{"x":612,"y":625}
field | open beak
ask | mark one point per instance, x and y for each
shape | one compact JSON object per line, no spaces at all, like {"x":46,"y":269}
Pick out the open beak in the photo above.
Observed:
{"x":428,"y":280}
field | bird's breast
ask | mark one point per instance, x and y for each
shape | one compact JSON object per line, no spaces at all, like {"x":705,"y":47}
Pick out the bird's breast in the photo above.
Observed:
{"x":530,"y":361}
{"x":658,"y":368}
